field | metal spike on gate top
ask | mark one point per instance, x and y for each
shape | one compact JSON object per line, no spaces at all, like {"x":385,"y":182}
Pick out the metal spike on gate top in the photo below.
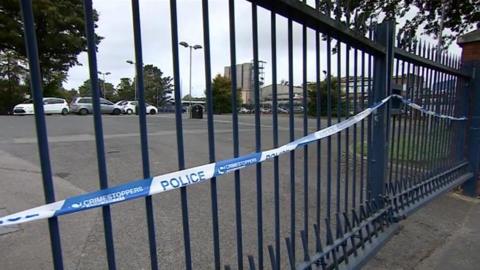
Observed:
{"x":346,"y":220}
{"x":420,"y":48}
{"x":363,"y":213}
{"x":368,"y":207}
{"x":273,"y":260}
{"x":356,"y":222}
{"x":424,"y":51}
{"x":251,"y":262}
{"x":318,"y":241}
{"x":329,"y":232}
{"x":339,"y":226}
{"x":340,"y":234}
{"x":290,"y":252}
{"x":330,"y":241}
{"x":398,"y":188}
{"x":304,"y":245}
{"x":348,"y":228}
{"x":355,"y":219}
{"x":318,"y":245}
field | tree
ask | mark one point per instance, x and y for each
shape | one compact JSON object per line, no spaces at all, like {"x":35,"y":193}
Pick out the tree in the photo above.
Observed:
{"x":222,"y":95}
{"x":156,"y":85}
{"x":125,"y":89}
{"x":432,"y":18}
{"x":60,"y":31}
{"x":334,"y":98}
{"x":187,"y":97}
{"x":105,"y":88}
{"x":13,"y":78}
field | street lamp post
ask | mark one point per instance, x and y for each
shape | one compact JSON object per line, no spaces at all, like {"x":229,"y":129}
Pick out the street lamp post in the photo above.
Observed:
{"x":103,"y":83}
{"x":133,"y":63}
{"x":194,"y":47}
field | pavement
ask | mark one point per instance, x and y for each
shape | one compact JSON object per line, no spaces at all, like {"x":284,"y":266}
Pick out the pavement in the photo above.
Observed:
{"x":444,"y":234}
{"x":73,"y":157}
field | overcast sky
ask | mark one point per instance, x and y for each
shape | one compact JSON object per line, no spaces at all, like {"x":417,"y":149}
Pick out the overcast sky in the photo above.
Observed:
{"x":115,"y":25}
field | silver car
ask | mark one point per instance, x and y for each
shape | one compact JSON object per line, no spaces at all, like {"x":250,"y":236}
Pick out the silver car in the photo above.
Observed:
{"x":83,"y":106}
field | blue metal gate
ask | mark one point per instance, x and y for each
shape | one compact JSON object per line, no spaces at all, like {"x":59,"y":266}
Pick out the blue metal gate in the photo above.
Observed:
{"x":390,"y":139}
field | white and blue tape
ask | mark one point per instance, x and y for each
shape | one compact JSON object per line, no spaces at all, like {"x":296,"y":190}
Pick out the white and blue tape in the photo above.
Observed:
{"x":425,"y":111}
{"x":175,"y":180}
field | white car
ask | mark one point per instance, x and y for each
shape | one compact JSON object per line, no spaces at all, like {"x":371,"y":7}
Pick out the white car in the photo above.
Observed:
{"x":129,"y":107}
{"x":51,"y":105}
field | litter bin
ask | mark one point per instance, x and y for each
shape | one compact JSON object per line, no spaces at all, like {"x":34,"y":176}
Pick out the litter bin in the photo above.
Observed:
{"x":196,"y":112}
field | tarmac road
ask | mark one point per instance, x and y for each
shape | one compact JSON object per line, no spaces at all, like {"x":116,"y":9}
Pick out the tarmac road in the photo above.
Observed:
{"x":73,"y":156}
{"x":74,"y":164}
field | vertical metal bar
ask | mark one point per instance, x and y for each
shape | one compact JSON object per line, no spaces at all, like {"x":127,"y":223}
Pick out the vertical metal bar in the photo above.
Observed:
{"x":291,"y":127}
{"x":41,"y":128}
{"x":179,"y":131}
{"x":339,"y":134}
{"x":444,"y":109}
{"x":392,"y":143}
{"x":305,"y":133}
{"x":420,"y":133}
{"x":369,"y":120}
{"x":319,"y":123}
{"x":329,"y":123}
{"x":362,"y":127}
{"x":347,"y":131}
{"x":451,"y":125}
{"x":398,"y":176}
{"x":382,"y":75}
{"x":430,"y":120}
{"x":258,"y":140}
{"x":233,"y":76}
{"x":143,"y":130}
{"x":412,"y":128}
{"x":211,"y":133}
{"x":355,"y":130}
{"x":276,"y":169}
{"x":424,"y":137}
{"x":102,"y":167}
{"x":405,"y":141}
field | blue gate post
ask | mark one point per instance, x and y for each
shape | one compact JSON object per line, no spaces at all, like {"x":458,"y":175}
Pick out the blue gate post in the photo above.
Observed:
{"x":470,"y":44}
{"x":378,"y":146}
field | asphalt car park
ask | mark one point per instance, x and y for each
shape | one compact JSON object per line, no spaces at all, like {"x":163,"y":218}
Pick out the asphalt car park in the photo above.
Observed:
{"x":73,"y":157}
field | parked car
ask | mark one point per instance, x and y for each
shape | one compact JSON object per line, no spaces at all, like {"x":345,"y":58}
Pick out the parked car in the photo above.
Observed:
{"x":282,"y":110}
{"x":51,"y":105}
{"x":265,"y":110}
{"x":83,"y":106}
{"x":244,"y":110}
{"x":130,"y":107}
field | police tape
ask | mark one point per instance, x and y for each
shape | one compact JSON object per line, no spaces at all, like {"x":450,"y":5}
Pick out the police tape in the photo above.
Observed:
{"x":425,"y":111}
{"x":183,"y":178}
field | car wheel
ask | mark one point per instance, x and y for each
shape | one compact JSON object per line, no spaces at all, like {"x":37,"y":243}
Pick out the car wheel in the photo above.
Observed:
{"x":129,"y":111}
{"x":152,"y":111}
{"x":64,"y":111}
{"x":116,"y":111}
{"x":83,"y":111}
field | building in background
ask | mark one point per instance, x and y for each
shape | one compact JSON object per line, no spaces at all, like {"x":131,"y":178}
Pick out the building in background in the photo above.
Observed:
{"x":282,"y":94}
{"x":245,"y":79}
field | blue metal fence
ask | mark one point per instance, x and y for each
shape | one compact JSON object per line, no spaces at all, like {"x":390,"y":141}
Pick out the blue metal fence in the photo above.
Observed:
{"x":382,"y":168}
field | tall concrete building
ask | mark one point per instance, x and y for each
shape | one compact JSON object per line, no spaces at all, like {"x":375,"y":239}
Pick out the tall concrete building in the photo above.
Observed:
{"x":245,"y":79}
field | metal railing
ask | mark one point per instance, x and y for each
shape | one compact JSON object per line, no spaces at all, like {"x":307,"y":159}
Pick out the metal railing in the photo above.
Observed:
{"x":365,"y":179}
